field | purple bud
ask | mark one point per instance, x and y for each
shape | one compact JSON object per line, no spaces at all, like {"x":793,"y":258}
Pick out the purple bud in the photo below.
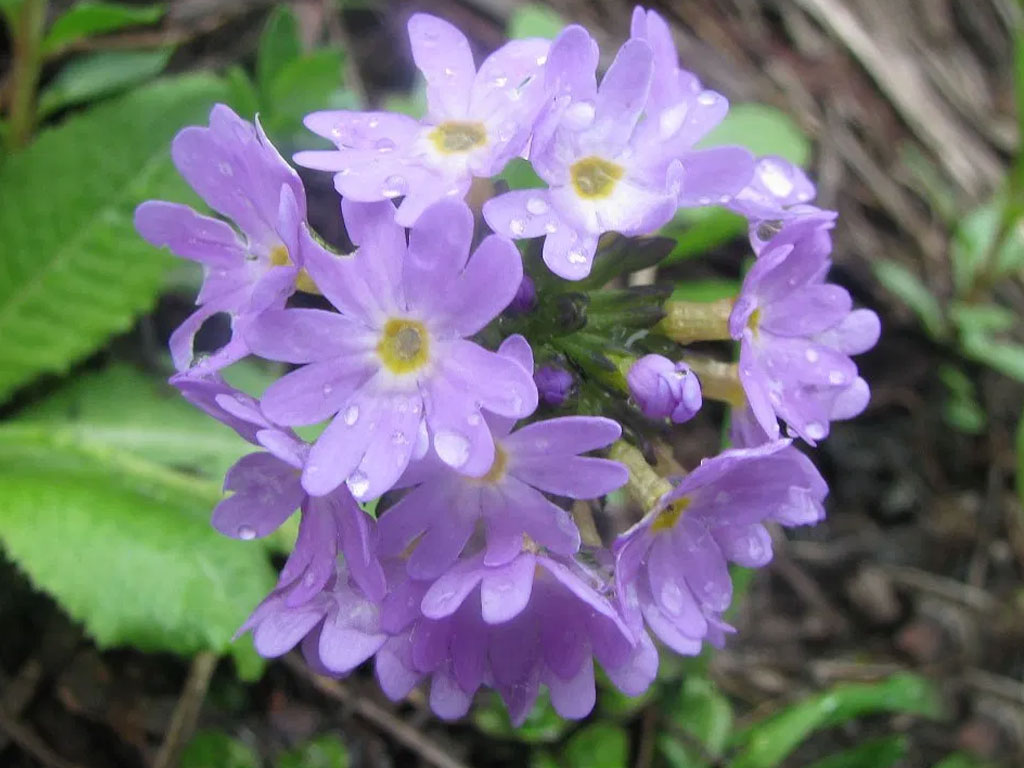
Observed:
{"x":553,"y":384}
{"x":664,"y":389}
{"x":525,"y":299}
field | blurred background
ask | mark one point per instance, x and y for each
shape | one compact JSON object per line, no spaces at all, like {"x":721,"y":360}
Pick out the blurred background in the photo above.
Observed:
{"x":891,"y":635}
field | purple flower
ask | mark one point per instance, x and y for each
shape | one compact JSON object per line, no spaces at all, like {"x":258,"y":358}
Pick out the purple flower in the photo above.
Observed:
{"x":664,"y":389}
{"x":476,"y":122}
{"x":525,"y":299}
{"x":395,"y":362}
{"x":608,"y":169}
{"x":339,"y":627}
{"x":671,"y":569}
{"x":778,"y":190}
{"x":537,"y":620}
{"x":266,"y":491}
{"x":554,"y":384}
{"x":236,"y":170}
{"x":441,"y":513}
{"x":797,"y":333}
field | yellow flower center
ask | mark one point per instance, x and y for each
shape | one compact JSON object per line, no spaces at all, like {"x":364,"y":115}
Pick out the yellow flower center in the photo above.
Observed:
{"x":279,"y":258}
{"x":497,"y":471}
{"x":670,"y":516}
{"x":754,"y":321}
{"x":454,"y":136}
{"x":404,"y":346}
{"x":594,"y":177}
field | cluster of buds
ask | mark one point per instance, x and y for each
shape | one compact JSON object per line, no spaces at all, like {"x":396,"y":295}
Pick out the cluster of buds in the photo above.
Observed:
{"x":416,"y":351}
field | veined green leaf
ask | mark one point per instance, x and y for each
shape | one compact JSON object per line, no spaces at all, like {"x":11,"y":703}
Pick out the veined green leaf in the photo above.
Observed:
{"x":73,"y":270}
{"x":134,"y":568}
{"x":101,"y":74}
{"x":767,"y":744}
{"x":89,"y":17}
{"x":129,"y":411}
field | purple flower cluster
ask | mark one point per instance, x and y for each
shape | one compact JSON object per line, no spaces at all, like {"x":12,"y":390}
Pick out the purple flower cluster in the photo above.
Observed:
{"x":474,"y":572}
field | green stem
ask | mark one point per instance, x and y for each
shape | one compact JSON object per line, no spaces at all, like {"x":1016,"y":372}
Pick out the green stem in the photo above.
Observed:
{"x":645,"y":485}
{"x":718,"y":380}
{"x":27,"y":62}
{"x":688,"y":321}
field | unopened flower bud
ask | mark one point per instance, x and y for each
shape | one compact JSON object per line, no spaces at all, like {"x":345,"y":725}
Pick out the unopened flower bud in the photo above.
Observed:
{"x":664,"y":389}
{"x":553,"y":384}
{"x":525,"y":299}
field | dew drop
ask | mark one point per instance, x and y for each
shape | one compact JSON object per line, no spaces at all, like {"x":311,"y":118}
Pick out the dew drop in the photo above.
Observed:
{"x":358,"y":483}
{"x":327,"y":389}
{"x":309,"y":578}
{"x":812,"y":355}
{"x":724,"y":199}
{"x":707,"y":99}
{"x":704,"y":200}
{"x":246,"y":532}
{"x":536,"y":206}
{"x":541,"y":60}
{"x":394,"y":186}
{"x":517,"y":226}
{"x":398,"y":437}
{"x":373,"y":122}
{"x":385,"y":145}
{"x":500,"y":81}
{"x":449,"y":72}
{"x":580,"y":114}
{"x":836,"y":377}
{"x":551,"y":227}
{"x":226,"y":169}
{"x":473,"y":419}
{"x":452,"y":448}
{"x":577,"y":256}
{"x":815,"y":431}
{"x":351,"y":415}
{"x":671,"y":598}
{"x":774,"y":177}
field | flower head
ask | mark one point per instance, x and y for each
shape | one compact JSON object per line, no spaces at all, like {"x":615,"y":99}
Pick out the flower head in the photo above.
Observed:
{"x":338,"y":627}
{"x":476,"y":122}
{"x":393,"y":369}
{"x":618,"y":157}
{"x":537,"y":620}
{"x":554,"y":384}
{"x":671,"y":569}
{"x":238,"y":173}
{"x":266,"y":491}
{"x":797,"y":333}
{"x":663,"y":389}
{"x":438,"y":517}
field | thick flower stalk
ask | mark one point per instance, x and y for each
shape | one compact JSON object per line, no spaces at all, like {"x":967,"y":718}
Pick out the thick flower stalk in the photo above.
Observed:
{"x":412,"y":358}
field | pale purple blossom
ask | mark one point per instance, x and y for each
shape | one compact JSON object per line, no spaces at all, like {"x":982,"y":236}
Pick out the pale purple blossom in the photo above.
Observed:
{"x":671,"y":569}
{"x":477,"y":120}
{"x":619,"y":157}
{"x":235,"y":169}
{"x":663,"y":389}
{"x":554,"y":384}
{"x":536,"y":620}
{"x":266,"y":491}
{"x":393,"y":369}
{"x":797,"y":334}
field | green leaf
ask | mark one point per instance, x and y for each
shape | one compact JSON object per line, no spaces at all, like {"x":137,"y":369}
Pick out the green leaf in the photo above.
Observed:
{"x":698,"y":230}
{"x":900,"y":281}
{"x":413,"y":103}
{"x":279,"y":46}
{"x":213,"y":749}
{"x":543,"y":725}
{"x":300,"y":87}
{"x":974,"y":240}
{"x":961,"y":408}
{"x":767,"y":743}
{"x":981,"y":318}
{"x":74,"y":271}
{"x":87,"y":18}
{"x":762,"y":129}
{"x":121,"y":407}
{"x":703,"y":713}
{"x":710,"y":289}
{"x":326,"y":751}
{"x":883,"y":752}
{"x":963,"y":760}
{"x":242,"y":94}
{"x":136,"y":569}
{"x":101,"y":74}
{"x":519,"y":174}
{"x":599,"y":745}
{"x":1020,"y":461}
{"x":1000,"y":356}
{"x":678,"y":754}
{"x":535,"y":20}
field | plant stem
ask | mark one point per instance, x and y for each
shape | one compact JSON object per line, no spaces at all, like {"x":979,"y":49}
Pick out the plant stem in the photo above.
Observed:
{"x":718,"y":380}
{"x":27,"y":61}
{"x":689,"y":321}
{"x":645,"y":485}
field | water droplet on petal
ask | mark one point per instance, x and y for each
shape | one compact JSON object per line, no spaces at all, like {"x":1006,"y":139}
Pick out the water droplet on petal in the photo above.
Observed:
{"x":452,"y":448}
{"x":309,"y":578}
{"x":551,"y":227}
{"x":449,"y":72}
{"x":577,"y":256}
{"x":385,"y":145}
{"x":580,"y":114}
{"x":815,"y":431}
{"x":398,"y":437}
{"x":373,"y":122}
{"x":517,"y":226}
{"x":473,"y":419}
{"x":812,"y":355}
{"x":358,"y":483}
{"x":671,"y":598}
{"x":704,"y":200}
{"x":536,"y":206}
{"x":246,"y":532}
{"x":394,"y":186}
{"x":226,"y":169}
{"x":774,"y":177}
{"x":351,"y":415}
{"x":500,"y":81}
{"x":707,"y":98}
{"x":725,"y":199}
{"x":836,"y":377}
{"x":327,"y":389}
{"x":541,"y":60}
